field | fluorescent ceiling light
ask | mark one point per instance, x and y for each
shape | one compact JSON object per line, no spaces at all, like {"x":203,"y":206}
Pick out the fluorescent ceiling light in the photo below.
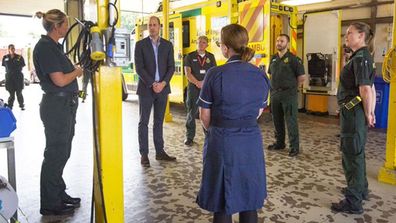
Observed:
{"x":303,"y":2}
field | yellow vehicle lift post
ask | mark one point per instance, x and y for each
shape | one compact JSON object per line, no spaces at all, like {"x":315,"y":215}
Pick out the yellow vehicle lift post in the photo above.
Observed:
{"x":387,"y":173}
{"x":109,"y":135}
{"x":165,"y":33}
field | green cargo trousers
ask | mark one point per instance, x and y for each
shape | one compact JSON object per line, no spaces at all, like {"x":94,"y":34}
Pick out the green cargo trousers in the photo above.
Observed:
{"x":353,"y":140}
{"x":284,"y":106}
{"x":192,"y":109}
{"x":58,"y":115}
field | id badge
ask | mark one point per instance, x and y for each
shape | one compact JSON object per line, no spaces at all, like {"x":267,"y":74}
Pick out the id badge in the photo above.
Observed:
{"x":202,"y":71}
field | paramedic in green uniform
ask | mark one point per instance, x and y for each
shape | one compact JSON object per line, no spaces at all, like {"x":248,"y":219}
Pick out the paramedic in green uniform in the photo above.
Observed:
{"x":357,"y":78}
{"x":13,"y":64}
{"x":196,"y":65}
{"x":287,"y":74}
{"x":58,"y":107}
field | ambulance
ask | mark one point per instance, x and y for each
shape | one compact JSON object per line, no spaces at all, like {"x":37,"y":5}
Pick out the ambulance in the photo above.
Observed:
{"x":263,"y":19}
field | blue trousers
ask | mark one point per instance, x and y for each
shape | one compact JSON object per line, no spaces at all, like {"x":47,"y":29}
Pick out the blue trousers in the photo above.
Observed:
{"x":146,"y":102}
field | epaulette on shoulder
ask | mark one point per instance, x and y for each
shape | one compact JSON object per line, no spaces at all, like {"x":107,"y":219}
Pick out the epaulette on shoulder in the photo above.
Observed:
{"x":359,"y":54}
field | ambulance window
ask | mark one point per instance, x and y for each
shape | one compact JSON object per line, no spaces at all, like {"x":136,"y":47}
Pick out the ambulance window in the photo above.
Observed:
{"x":171,"y":33}
{"x":186,"y":34}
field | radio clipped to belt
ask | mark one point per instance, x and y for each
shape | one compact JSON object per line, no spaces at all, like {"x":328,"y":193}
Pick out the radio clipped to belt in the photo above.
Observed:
{"x":352,"y":103}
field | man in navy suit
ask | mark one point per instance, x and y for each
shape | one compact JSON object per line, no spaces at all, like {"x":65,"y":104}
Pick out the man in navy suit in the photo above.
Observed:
{"x":155,"y":65}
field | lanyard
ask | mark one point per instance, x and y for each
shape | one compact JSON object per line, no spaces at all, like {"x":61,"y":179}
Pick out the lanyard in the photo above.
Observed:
{"x":201,"y":62}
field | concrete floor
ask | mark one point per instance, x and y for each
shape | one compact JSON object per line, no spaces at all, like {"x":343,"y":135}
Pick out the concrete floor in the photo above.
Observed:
{"x":300,"y":189}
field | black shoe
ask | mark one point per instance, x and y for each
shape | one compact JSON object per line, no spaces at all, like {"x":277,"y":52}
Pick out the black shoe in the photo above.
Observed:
{"x":294,"y":152}
{"x":188,"y":142}
{"x":364,"y":195}
{"x":144,"y":161}
{"x":73,"y":201}
{"x":164,"y":156}
{"x":344,"y":206}
{"x":63,"y":210}
{"x":276,"y":147}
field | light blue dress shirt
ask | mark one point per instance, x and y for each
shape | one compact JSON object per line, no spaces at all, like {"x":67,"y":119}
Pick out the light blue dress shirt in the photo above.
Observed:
{"x":155,"y":47}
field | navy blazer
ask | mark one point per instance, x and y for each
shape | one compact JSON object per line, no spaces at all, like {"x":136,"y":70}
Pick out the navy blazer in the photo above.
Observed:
{"x":145,"y":65}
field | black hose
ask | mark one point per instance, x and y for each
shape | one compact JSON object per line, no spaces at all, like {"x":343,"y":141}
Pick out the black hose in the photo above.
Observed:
{"x":96,"y":142}
{"x":81,"y":53}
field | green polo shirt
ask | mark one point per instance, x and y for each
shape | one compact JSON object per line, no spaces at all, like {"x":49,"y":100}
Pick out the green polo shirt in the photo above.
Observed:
{"x":13,"y":65}
{"x":358,"y":71}
{"x":199,"y":65}
{"x":48,"y":57}
{"x":284,"y":71}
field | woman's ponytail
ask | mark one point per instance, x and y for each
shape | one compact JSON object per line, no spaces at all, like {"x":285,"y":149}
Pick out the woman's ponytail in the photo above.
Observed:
{"x":247,"y":54}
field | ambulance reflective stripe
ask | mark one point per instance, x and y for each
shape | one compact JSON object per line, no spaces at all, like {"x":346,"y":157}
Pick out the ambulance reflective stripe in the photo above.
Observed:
{"x":245,"y":10}
{"x":293,"y":42}
{"x":252,"y":18}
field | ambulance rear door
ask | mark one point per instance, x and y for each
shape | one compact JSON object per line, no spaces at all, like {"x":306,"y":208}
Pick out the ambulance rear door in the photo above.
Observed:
{"x":175,"y":37}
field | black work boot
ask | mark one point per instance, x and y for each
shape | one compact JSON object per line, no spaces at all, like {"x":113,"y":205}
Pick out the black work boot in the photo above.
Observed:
{"x":365,"y":196}
{"x":294,"y":152}
{"x":188,"y":142}
{"x":62,"y":210}
{"x":71,"y":201}
{"x":276,"y":146}
{"x":345,"y":207}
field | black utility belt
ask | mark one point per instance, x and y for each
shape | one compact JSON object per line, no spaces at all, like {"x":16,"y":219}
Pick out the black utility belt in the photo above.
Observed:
{"x":62,"y":94}
{"x":282,"y":89}
{"x":234,"y":123}
{"x":352,"y":103}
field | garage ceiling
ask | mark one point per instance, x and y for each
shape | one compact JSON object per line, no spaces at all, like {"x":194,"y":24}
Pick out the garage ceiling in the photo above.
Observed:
{"x":136,"y":5}
{"x":28,"y":7}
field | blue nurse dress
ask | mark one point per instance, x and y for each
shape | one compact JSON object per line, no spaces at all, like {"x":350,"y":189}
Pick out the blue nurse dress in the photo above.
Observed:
{"x":233,"y":177}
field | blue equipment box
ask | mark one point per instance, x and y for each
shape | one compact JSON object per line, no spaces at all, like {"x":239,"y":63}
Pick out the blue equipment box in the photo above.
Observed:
{"x":7,"y":122}
{"x":382,"y":103}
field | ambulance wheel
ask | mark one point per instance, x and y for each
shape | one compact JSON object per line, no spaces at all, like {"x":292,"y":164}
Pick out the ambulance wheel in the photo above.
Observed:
{"x":124,"y":95}
{"x":124,"y":88}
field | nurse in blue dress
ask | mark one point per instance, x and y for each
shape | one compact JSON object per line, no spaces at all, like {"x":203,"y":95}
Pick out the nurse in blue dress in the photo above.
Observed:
{"x":233,"y":96}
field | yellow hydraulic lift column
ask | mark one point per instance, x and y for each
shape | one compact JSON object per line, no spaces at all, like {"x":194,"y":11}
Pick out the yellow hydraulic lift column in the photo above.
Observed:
{"x":387,"y":173}
{"x":165,"y":35}
{"x":108,"y":134}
